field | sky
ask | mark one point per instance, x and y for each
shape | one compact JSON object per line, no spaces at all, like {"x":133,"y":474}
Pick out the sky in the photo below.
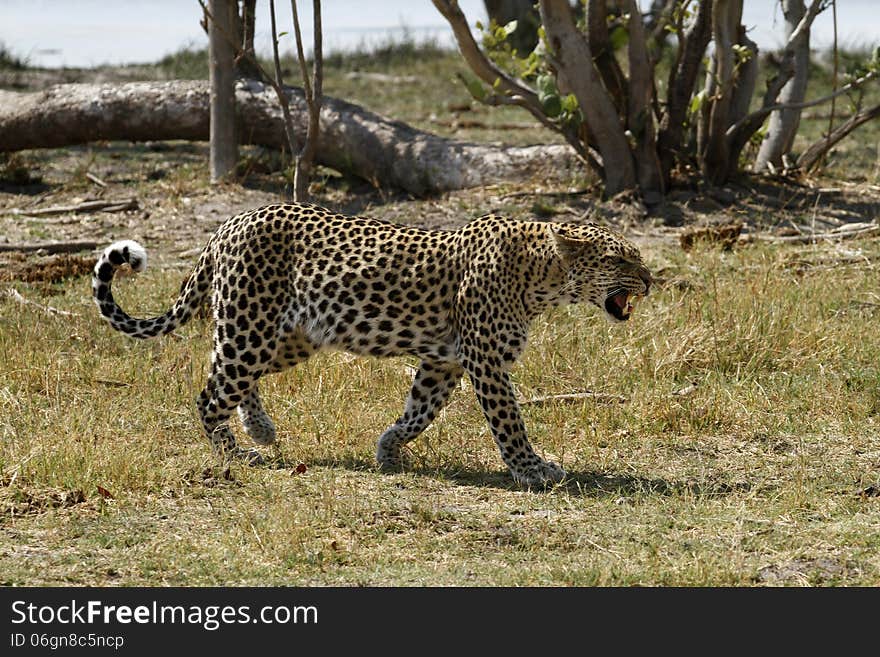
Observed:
{"x":55,"y":33}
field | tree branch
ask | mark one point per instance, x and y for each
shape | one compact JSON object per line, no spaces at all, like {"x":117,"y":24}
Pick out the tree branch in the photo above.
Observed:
{"x":764,"y":111}
{"x":715,"y":152}
{"x":481,"y":65}
{"x":817,"y":150}
{"x":517,"y":91}
{"x":603,"y":56}
{"x":682,"y":79}
{"x":279,"y":84}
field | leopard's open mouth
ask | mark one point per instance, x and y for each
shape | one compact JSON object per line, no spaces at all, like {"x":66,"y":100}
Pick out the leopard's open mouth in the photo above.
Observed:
{"x":619,"y":304}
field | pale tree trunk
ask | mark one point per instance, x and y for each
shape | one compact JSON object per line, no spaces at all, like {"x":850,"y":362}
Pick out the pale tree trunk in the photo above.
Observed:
{"x":739,"y":133}
{"x":784,"y":123}
{"x":224,"y":147}
{"x":576,"y":72}
{"x":313,"y":92}
{"x":353,"y":140}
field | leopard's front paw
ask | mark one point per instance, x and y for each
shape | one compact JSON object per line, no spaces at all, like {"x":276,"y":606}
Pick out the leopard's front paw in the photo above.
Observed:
{"x":389,"y":455}
{"x":539,"y":475}
{"x":392,"y":462}
{"x":249,"y":456}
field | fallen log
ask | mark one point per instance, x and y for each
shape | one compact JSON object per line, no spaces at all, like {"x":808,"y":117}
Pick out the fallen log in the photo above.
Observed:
{"x":352,"y":139}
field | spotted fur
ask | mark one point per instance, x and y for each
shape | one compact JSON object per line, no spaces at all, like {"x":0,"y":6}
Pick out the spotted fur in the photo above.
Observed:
{"x":288,"y":280}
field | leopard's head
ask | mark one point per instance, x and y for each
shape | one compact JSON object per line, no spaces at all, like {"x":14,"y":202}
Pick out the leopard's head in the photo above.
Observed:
{"x":600,"y":267}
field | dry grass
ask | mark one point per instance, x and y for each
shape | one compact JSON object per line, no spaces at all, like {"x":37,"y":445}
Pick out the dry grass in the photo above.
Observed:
{"x":764,"y":469}
{"x":764,"y":472}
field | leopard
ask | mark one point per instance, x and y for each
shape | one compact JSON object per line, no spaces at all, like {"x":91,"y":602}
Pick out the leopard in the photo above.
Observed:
{"x":287,"y":280}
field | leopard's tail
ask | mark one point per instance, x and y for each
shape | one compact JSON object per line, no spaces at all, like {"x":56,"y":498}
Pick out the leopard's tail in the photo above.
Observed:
{"x":192,"y":293}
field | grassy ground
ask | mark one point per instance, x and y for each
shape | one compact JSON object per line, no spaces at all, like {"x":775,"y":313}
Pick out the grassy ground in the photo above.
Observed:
{"x":735,"y":444}
{"x":765,"y":472}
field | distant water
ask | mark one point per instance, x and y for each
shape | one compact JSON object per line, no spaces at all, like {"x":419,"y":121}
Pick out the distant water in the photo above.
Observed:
{"x":82,"y":33}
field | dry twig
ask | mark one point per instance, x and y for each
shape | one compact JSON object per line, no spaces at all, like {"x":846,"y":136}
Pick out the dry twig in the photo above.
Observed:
{"x":100,"y":205}
{"x":845,"y":232}
{"x":600,"y":397}
{"x":689,"y":389}
{"x":14,"y":294}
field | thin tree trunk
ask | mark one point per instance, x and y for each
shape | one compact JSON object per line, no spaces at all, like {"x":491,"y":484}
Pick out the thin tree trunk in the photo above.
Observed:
{"x":640,"y":117}
{"x":313,"y":89}
{"x":576,"y":71}
{"x":715,"y":156}
{"x":292,"y":142}
{"x":352,"y":139}
{"x":784,"y":123}
{"x":224,"y":146}
{"x":245,"y":66}
{"x":682,"y":80}
{"x":603,"y":55}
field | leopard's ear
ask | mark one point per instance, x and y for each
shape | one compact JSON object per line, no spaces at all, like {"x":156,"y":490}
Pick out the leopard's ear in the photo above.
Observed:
{"x":569,"y":249}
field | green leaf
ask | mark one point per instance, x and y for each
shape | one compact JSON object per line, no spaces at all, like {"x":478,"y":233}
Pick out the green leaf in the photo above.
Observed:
{"x":546,"y":84}
{"x":569,"y":103}
{"x":474,"y":86}
{"x":743,"y":53}
{"x":531,"y":65}
{"x":281,"y":34}
{"x":551,"y":104}
{"x":619,"y":37}
{"x":697,"y":102}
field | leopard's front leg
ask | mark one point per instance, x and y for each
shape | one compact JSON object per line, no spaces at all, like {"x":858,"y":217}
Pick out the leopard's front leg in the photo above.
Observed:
{"x":497,"y":399}
{"x":430,"y":392}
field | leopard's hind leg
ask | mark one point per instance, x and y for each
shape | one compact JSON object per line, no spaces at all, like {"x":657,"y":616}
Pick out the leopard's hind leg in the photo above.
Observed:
{"x":256,"y":422}
{"x":241,"y":356}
